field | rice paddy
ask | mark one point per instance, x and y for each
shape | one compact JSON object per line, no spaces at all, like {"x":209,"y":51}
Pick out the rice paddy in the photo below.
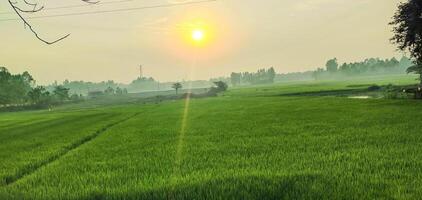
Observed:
{"x":248,"y":143}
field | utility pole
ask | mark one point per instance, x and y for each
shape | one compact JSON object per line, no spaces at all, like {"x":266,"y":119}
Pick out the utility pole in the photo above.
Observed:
{"x":141,"y":74}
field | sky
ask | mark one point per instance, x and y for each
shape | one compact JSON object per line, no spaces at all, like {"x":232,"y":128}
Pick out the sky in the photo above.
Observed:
{"x":240,"y":35}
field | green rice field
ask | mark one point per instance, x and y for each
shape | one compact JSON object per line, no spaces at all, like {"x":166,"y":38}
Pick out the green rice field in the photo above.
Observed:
{"x":247,"y":143}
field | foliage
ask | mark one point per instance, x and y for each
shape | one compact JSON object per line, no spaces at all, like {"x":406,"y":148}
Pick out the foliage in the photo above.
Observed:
{"x":82,"y":87}
{"x":39,"y":95}
{"x":332,"y":65}
{"x":262,"y":76}
{"x":408,"y":32}
{"x":236,"y":78}
{"x":368,"y":66}
{"x":61,"y":93}
{"x":144,"y":84}
{"x":109,"y":91}
{"x":119,"y":91}
{"x":220,"y":87}
{"x":18,"y":91}
{"x":177,"y":86}
{"x":14,"y":87}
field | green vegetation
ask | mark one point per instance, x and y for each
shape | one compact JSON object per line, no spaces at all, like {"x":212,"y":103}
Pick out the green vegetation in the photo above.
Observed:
{"x":141,"y":84}
{"x":177,"y":86}
{"x":257,"y":142}
{"x":262,"y":76}
{"x":371,"y":66}
{"x":18,"y":92}
{"x":408,"y":33}
{"x":14,"y":87}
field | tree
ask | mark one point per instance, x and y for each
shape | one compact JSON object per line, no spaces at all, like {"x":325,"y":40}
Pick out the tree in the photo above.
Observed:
{"x":14,"y":87}
{"x":177,"y":86}
{"x":407,"y":23}
{"x":332,"y":65}
{"x":271,"y":75}
{"x":109,"y":91}
{"x":221,"y":86}
{"x":61,"y":93}
{"x":38,"y":95}
{"x":235,"y":78}
{"x":316,"y":74}
{"x":119,"y":91}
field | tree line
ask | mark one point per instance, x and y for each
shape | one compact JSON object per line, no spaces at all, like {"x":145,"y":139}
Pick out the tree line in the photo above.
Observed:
{"x":142,"y":84}
{"x":21,"y":90}
{"x":368,"y":66}
{"x":262,"y":76}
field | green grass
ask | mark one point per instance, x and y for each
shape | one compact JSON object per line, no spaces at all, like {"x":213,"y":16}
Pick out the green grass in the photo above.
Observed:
{"x":250,"y":143}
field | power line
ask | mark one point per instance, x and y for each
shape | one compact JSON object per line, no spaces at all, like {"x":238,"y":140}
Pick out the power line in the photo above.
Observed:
{"x":78,"y":6}
{"x":112,"y":11}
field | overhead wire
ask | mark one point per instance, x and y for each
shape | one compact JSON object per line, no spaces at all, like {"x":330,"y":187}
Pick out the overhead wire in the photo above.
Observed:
{"x":113,"y":10}
{"x":78,"y":6}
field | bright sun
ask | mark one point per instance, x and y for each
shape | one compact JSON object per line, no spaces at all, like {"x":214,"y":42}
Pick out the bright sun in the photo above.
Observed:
{"x":198,"y":35}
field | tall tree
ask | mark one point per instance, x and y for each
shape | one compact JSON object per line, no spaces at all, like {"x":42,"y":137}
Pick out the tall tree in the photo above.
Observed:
{"x":271,"y":75}
{"x":39,"y":95}
{"x":407,"y":30}
{"x":14,"y":87}
{"x":332,"y":65}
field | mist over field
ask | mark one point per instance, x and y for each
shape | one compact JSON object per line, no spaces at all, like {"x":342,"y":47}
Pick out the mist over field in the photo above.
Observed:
{"x":210,"y":99}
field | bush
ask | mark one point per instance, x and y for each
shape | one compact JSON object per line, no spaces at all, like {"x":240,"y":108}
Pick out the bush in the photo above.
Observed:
{"x":392,"y":92}
{"x":373,"y":88}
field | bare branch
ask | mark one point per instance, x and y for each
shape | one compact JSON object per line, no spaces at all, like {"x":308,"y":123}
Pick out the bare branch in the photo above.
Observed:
{"x":18,"y":10}
{"x":90,"y":1}
{"x":34,"y":9}
{"x":27,"y":24}
{"x":29,"y":11}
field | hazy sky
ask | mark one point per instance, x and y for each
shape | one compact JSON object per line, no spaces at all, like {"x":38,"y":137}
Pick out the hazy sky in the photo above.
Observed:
{"x":243,"y":35}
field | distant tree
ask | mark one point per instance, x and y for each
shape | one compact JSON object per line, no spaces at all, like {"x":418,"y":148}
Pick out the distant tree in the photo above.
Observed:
{"x":405,"y":62}
{"x":262,"y":76}
{"x":221,"y":86}
{"x":143,"y":84}
{"x":407,"y":30}
{"x":39,"y":95}
{"x":332,"y":65}
{"x":119,"y":91}
{"x":75,"y":97}
{"x":235,"y":78}
{"x":109,"y":91}
{"x":177,"y":86}
{"x":317,"y":74}
{"x":61,"y":93}
{"x":271,"y":75}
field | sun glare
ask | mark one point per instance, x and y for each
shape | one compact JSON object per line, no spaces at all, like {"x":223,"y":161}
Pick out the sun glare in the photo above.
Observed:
{"x":198,"y":35}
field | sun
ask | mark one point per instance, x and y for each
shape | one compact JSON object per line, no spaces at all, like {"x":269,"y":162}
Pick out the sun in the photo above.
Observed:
{"x":198,"y":35}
